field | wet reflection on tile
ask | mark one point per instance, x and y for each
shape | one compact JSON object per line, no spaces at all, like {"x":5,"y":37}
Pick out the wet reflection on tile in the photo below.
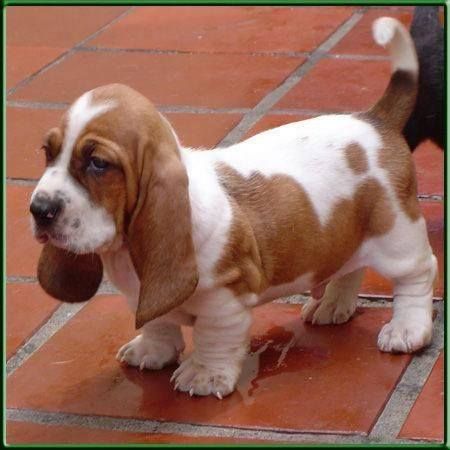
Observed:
{"x":296,"y":377}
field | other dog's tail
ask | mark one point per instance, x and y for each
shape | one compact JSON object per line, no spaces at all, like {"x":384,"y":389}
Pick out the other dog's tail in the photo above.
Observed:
{"x":397,"y":102}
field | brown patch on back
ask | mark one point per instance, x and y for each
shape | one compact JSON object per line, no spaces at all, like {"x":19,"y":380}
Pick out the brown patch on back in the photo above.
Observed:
{"x":395,"y":157}
{"x":276,"y":235}
{"x":356,"y":158}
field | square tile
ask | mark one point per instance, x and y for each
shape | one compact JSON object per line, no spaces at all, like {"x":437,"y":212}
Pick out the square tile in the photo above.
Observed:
{"x":339,"y":85}
{"x":211,"y":80}
{"x":27,"y":308}
{"x":228,"y":29}
{"x":292,"y":375}
{"x":426,"y":418}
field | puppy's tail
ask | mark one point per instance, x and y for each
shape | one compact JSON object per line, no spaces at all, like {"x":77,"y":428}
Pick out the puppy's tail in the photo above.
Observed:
{"x":397,"y":102}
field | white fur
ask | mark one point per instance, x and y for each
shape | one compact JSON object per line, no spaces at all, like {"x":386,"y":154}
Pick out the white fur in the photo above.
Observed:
{"x":390,"y":33}
{"x":95,"y":226}
{"x":310,"y":157}
{"x":312,"y":153}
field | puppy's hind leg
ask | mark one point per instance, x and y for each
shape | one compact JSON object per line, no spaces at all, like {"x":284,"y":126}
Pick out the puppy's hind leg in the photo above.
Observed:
{"x":411,"y":326}
{"x":405,"y":256}
{"x":338,"y":302}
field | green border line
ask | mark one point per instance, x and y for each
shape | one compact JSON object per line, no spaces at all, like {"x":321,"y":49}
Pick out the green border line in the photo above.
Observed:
{"x":7,"y":3}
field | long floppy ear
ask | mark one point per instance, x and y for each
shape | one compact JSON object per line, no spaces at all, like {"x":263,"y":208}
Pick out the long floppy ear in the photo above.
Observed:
{"x":160,"y":235}
{"x":67,"y":276}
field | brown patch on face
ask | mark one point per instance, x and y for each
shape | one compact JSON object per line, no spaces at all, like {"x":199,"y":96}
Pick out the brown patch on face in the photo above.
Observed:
{"x":121,"y":137}
{"x":144,"y":186}
{"x":356,"y":158}
{"x":107,"y":188}
{"x":276,"y":235}
{"x":52,"y":145}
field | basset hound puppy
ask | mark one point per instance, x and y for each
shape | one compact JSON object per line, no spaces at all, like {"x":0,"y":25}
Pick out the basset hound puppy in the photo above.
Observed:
{"x":201,"y":237}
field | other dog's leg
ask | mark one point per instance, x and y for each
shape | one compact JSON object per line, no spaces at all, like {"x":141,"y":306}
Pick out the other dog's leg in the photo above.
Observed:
{"x":221,"y":336}
{"x":411,"y":326}
{"x":159,"y":344}
{"x":338,"y":302}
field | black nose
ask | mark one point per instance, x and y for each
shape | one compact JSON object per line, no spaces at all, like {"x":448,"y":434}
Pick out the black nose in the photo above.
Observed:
{"x":45,"y":209}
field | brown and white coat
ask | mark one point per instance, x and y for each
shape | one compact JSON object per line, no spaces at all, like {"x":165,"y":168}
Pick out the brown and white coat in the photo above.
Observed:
{"x":200,"y":237}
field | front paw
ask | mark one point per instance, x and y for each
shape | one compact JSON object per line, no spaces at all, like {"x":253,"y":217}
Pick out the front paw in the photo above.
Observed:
{"x":148,"y":353}
{"x":199,"y":379}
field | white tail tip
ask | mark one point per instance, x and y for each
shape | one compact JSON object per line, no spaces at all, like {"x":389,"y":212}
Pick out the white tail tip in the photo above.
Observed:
{"x":389,"y":32}
{"x":383,"y":30}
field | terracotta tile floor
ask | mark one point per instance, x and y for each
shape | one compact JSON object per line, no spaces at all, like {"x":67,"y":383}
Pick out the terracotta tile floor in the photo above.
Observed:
{"x":205,"y":67}
{"x":426,"y":419}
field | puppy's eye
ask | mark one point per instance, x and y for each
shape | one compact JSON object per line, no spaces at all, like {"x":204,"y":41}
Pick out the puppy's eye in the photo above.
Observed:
{"x":97,"y":164}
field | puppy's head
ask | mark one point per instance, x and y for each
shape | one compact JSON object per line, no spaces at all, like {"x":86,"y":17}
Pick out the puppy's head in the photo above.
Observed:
{"x":114,"y":176}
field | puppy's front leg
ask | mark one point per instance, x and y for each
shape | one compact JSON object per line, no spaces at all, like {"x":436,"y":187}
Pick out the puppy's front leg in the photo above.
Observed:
{"x":159,"y":344}
{"x":221,"y":336}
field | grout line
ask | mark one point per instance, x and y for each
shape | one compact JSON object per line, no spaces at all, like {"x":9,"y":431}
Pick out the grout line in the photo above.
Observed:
{"x":152,"y":51}
{"x":200,"y":109}
{"x":186,"y":429}
{"x":162,"y":108}
{"x":364,"y":300}
{"x":396,"y":411}
{"x":280,"y":54}
{"x":63,"y":56}
{"x":57,"y":320}
{"x":21,"y":181}
{"x":253,"y":116}
{"x":307,"y":112}
{"x":107,"y":288}
{"x":431,"y":197}
{"x":357,"y":57}
{"x":36,"y":105}
{"x":12,"y":279}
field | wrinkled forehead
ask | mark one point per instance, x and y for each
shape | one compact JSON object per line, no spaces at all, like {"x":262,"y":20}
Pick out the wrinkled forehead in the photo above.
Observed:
{"x":56,"y":178}
{"x":82,"y":112}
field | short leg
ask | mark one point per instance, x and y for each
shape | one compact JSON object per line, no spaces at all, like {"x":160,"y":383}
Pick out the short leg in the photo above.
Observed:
{"x":221,"y":337}
{"x":337,"y":304}
{"x":411,"y":326}
{"x":159,"y":344}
